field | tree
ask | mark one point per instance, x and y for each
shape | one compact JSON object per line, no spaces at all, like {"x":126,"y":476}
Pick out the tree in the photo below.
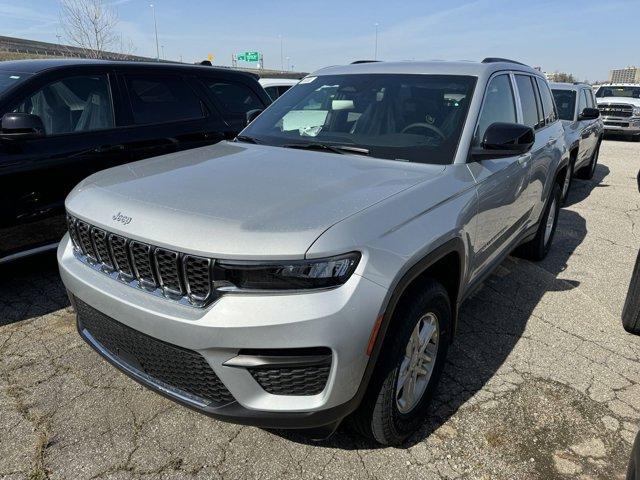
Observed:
{"x":563,"y":77}
{"x":89,"y":24}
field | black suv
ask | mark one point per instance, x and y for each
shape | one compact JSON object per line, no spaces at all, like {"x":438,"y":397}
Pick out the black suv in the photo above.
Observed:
{"x":63,"y":120}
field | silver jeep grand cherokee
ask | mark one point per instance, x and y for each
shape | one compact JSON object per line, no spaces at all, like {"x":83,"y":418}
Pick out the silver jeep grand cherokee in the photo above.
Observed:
{"x":313,"y":269}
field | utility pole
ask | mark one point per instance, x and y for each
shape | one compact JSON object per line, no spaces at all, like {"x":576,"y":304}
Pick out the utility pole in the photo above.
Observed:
{"x":155,"y":26}
{"x":375,"y":54}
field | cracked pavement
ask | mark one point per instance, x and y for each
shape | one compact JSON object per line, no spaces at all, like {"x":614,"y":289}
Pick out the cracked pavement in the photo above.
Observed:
{"x":542,"y":382}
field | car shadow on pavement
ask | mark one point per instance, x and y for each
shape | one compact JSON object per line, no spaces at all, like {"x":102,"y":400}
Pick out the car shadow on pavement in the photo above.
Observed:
{"x":580,"y":189}
{"x":490,"y":325}
{"x":30,"y":288}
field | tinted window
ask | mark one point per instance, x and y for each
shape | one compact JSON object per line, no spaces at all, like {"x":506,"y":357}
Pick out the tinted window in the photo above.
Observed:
{"x":11,"y":79}
{"x":416,"y":118}
{"x":566,"y":103}
{"x":547,"y":102}
{"x":162,"y":98}
{"x":618,"y":91}
{"x":272,"y":92}
{"x":283,"y":88}
{"x":590,"y":100}
{"x":498,"y":106}
{"x":75,"y":104}
{"x":236,"y":100}
{"x":528,"y":100}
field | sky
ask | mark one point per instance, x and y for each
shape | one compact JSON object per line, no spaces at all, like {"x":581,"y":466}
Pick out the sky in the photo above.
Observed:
{"x":586,"y":38}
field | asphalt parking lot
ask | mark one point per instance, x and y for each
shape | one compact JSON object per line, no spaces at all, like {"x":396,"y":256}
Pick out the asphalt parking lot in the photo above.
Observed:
{"x":541,"y":383}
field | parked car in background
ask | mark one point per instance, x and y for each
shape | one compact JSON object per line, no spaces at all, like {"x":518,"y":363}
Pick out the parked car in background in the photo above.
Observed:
{"x":619,"y":106}
{"x":277,"y":86}
{"x":63,"y":120}
{"x":314,"y":268}
{"x":583,"y":128}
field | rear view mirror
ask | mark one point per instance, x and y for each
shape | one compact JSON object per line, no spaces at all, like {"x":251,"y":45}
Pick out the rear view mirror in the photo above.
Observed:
{"x":21,"y":126}
{"x":505,"y":140}
{"x":589,"y":114}
{"x":253,"y":114}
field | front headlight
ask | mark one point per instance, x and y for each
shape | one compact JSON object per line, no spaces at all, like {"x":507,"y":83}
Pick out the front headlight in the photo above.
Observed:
{"x":293,"y":275}
{"x":636,"y":111}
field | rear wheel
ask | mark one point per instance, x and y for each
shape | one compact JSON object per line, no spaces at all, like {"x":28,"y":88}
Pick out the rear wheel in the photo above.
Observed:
{"x":409,"y":367}
{"x":586,"y":172}
{"x":538,"y":248}
{"x":566,"y":187}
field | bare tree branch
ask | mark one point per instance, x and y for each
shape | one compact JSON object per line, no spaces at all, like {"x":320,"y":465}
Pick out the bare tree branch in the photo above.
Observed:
{"x":89,"y":24}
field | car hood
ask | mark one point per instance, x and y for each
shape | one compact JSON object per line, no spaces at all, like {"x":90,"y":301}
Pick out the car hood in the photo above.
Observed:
{"x":236,"y":200}
{"x":628,"y":100}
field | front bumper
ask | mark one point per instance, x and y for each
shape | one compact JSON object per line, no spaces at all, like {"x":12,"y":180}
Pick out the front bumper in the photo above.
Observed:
{"x":622,"y":125}
{"x":340,"y":320}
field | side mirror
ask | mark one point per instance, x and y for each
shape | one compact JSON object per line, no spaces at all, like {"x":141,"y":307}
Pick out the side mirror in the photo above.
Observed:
{"x":589,"y":114}
{"x":17,"y":126}
{"x":253,"y":114}
{"x":505,"y":140}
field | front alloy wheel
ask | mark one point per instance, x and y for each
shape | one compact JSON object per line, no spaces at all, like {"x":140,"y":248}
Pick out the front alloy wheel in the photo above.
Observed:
{"x":417,"y":365}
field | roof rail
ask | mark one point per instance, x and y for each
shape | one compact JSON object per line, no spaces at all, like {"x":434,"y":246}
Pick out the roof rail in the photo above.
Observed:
{"x":364,"y":61}
{"x":498,"y":59}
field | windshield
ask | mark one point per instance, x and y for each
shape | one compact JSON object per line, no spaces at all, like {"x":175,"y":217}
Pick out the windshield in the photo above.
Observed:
{"x":566,"y":103}
{"x":10,"y":79}
{"x":416,"y":118}
{"x":620,"y":91}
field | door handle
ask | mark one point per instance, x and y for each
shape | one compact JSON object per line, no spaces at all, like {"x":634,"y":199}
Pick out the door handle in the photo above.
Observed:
{"x":522,"y":159}
{"x":551,"y":141}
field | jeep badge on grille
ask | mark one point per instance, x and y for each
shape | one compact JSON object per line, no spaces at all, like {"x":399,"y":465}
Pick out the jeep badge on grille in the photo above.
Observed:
{"x":119,"y":217}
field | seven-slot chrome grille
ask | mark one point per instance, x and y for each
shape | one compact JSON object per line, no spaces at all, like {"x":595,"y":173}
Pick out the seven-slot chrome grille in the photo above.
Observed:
{"x":171,"y":274}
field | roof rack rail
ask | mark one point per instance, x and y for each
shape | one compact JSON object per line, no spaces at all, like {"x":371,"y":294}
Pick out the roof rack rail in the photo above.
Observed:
{"x":498,"y":59}
{"x":364,"y":61}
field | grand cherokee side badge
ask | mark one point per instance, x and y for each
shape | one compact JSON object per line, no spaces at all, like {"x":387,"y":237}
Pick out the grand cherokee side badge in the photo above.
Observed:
{"x":119,"y":217}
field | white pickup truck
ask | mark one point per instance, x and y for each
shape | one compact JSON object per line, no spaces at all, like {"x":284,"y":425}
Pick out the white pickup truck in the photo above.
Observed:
{"x":619,"y":106}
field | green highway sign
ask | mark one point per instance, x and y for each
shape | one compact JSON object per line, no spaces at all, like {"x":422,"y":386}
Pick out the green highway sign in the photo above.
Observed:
{"x":248,"y":57}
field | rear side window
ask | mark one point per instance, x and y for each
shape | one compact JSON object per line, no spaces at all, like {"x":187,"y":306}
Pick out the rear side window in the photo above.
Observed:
{"x":72,"y":105}
{"x":566,"y":103}
{"x":590,"y":101}
{"x":272,"y":92}
{"x":547,"y":102}
{"x":528,"y":100}
{"x":236,"y":100}
{"x":498,"y":106}
{"x":162,"y":98}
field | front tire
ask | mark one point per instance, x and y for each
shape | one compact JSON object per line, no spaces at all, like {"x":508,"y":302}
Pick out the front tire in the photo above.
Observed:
{"x":538,"y":248}
{"x":409,"y":367}
{"x":631,"y":310}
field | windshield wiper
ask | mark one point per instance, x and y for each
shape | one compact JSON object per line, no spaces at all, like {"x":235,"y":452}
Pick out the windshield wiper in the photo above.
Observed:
{"x":246,"y":139}
{"x":341,"y":149}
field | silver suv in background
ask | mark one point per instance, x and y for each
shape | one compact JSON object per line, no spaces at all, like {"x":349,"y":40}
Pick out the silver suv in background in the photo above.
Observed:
{"x":583,"y":128}
{"x":314,"y":268}
{"x":619,"y":106}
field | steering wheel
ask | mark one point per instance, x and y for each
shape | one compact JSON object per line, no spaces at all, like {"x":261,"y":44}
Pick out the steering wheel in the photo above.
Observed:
{"x":428,"y":126}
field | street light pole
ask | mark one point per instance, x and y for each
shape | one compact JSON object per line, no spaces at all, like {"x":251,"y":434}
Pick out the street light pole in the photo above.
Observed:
{"x":155,"y":26}
{"x":375,"y":54}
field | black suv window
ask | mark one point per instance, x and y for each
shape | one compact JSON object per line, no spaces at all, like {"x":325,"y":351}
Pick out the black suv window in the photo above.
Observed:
{"x":528,"y":100}
{"x":499,"y":105}
{"x":74,"y":104}
{"x":162,"y":98}
{"x":566,"y":103}
{"x":547,"y":102}
{"x":582,"y":101}
{"x":236,"y":100}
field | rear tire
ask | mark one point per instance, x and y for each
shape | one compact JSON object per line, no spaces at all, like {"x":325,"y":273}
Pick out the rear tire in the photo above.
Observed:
{"x":538,"y":248}
{"x":586,"y":172}
{"x":631,"y":310}
{"x":396,"y":401}
{"x":568,"y":180}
